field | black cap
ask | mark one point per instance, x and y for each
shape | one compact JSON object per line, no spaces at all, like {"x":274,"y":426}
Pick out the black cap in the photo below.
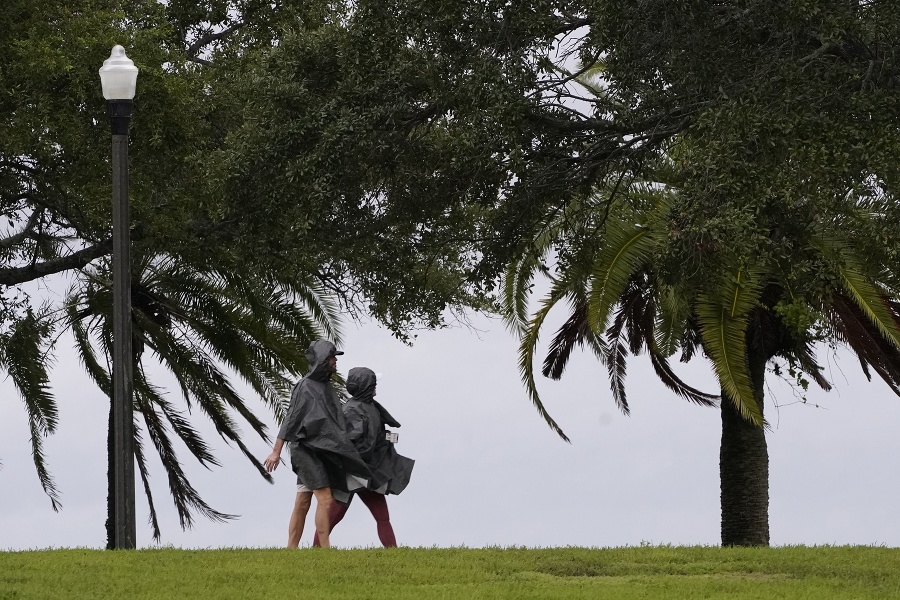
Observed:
{"x":337,"y":352}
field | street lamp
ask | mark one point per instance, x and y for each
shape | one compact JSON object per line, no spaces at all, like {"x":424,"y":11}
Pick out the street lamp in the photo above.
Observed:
{"x":118,"y":77}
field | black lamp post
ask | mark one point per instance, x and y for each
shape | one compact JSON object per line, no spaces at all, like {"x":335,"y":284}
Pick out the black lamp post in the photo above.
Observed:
{"x":118,"y":77}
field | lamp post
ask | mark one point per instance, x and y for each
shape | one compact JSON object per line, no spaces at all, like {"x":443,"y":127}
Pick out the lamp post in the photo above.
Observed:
{"x":118,"y":77}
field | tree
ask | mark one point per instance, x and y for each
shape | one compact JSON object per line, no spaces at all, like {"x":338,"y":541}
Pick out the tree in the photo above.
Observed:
{"x":781,"y":154}
{"x":191,"y":309}
{"x":196,"y":322}
{"x":779,"y":120}
{"x":54,"y":195}
{"x":626,"y":296}
{"x":740,"y":251}
{"x":404,"y":153}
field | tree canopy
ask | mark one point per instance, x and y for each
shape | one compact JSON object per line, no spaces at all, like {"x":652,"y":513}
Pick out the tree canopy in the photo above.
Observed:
{"x":239,"y":281}
{"x":771,"y":128}
{"x":402,"y":154}
{"x":466,"y":120}
{"x":761,"y":227}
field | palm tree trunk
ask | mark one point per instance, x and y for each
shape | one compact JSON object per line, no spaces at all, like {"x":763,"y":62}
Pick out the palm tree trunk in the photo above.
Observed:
{"x":744,"y":468}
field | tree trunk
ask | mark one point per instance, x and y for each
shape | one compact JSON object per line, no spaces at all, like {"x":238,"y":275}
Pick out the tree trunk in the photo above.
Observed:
{"x":744,"y":468}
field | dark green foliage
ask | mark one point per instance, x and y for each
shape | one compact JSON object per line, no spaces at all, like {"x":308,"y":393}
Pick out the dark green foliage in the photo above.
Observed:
{"x":191,"y":310}
{"x":715,"y":177}
{"x":21,"y":356}
{"x":402,"y":155}
{"x":197,"y":323}
{"x":756,"y":221}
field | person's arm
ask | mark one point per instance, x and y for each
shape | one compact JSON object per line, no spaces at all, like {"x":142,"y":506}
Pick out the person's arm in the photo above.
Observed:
{"x":271,"y":463}
{"x":288,"y":428}
{"x":386,"y":418}
{"x":356,"y":425}
{"x":358,"y":430}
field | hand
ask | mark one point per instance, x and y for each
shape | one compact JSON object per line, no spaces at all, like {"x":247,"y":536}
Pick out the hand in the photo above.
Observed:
{"x":272,"y":461}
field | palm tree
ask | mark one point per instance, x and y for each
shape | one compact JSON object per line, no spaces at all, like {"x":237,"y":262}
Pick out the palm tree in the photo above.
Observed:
{"x":199,"y":324}
{"x":634,"y":284}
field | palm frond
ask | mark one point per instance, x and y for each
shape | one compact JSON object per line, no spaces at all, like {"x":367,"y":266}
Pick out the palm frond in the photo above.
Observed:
{"x":692,"y":340}
{"x":324,"y":312}
{"x":673,"y":382}
{"x":630,"y":302}
{"x":517,"y":281}
{"x":622,"y":257}
{"x":184,"y":495}
{"x":148,"y":395}
{"x":201,"y":381}
{"x":858,"y":282}
{"x":806,"y":360}
{"x":37,"y":454}
{"x":574,"y":332}
{"x":627,"y":250}
{"x":153,"y":518}
{"x":257,"y":331}
{"x":640,"y":316}
{"x":723,"y":323}
{"x":219,"y":333}
{"x":589,"y":77}
{"x":558,"y":291}
{"x":516,"y":289}
{"x":26,"y":363}
{"x":616,"y":365}
{"x":85,"y":349}
{"x":873,"y":303}
{"x":865,"y":368}
{"x":672,"y":315}
{"x":860,"y":334}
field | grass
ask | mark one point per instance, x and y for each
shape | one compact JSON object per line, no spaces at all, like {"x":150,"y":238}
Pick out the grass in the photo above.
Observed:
{"x":821,"y":573}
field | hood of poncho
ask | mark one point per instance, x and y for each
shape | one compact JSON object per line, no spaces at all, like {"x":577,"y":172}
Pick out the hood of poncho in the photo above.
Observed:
{"x":361,"y":383}
{"x":316,"y":355}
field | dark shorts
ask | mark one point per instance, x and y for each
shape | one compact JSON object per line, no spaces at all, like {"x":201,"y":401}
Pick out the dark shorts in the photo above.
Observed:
{"x":309,"y":467}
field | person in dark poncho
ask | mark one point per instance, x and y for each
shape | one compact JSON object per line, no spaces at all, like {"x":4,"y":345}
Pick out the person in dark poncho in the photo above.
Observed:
{"x":322,"y":455}
{"x":366,"y":420}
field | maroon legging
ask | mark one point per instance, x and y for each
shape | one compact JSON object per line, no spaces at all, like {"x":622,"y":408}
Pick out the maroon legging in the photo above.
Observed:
{"x":377,"y":505}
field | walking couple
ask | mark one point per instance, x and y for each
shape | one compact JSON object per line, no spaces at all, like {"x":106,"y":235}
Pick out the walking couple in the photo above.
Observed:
{"x":338,"y":451}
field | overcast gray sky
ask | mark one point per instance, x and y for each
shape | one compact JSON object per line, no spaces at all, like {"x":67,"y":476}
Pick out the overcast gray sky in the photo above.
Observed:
{"x":488,"y":470}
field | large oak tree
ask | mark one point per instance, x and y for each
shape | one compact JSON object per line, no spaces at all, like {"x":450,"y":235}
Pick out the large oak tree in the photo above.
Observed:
{"x":225,"y":286}
{"x":779,"y":119}
{"x":402,"y":154}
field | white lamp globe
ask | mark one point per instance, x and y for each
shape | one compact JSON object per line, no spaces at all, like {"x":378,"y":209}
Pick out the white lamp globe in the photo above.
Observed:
{"x":118,"y":76}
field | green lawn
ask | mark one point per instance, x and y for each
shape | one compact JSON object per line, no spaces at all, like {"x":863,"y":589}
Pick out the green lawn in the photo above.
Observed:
{"x":420,"y":573}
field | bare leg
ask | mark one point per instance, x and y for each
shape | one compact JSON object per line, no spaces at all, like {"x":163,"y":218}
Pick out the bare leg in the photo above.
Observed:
{"x":298,"y":518}
{"x":338,"y":510}
{"x":377,"y":505}
{"x":324,"y":500}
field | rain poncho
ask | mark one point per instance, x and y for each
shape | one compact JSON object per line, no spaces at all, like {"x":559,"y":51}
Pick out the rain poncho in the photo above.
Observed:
{"x":366,"y":421}
{"x":314,"y":425}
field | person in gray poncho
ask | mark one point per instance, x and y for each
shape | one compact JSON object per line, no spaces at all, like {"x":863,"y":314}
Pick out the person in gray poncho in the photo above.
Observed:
{"x":322,"y":455}
{"x":366,"y":420}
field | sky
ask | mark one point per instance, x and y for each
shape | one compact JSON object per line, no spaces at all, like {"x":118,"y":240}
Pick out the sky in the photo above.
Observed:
{"x":488,"y":471}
